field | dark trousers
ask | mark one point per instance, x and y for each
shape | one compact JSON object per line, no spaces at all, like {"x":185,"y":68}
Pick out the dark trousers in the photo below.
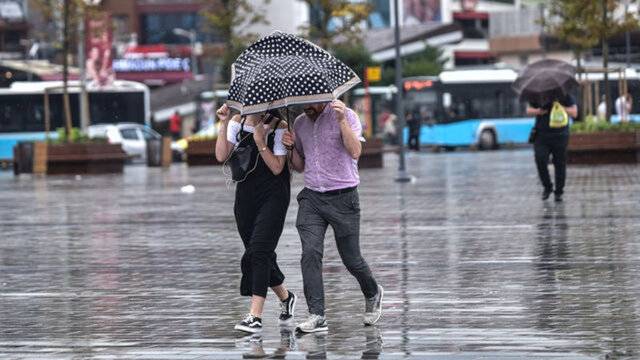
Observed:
{"x":556,"y":146}
{"x":342,"y":211}
{"x":414,"y":141}
{"x":260,"y":225}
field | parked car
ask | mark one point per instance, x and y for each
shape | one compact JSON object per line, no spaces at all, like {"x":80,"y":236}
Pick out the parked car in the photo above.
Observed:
{"x":132,"y":136}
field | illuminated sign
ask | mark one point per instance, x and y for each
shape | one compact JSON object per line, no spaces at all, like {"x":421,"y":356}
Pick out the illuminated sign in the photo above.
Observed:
{"x":374,"y":73}
{"x":417,"y":84}
{"x":152,"y":64}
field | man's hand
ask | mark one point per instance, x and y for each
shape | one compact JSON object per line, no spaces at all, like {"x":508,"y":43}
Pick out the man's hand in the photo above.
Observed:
{"x":340,"y":108}
{"x":223,"y":113}
{"x":289,"y":139}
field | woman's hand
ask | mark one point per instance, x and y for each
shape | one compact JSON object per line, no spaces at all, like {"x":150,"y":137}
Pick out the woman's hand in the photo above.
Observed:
{"x":223,"y":113}
{"x":289,"y":139}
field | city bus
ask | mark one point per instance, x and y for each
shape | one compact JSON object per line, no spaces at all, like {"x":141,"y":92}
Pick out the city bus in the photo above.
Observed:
{"x":22,"y":109}
{"x":478,"y":107}
{"x":461,"y":108}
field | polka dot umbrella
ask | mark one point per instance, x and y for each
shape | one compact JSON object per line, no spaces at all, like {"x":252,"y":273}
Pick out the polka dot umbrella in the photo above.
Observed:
{"x":281,"y":70}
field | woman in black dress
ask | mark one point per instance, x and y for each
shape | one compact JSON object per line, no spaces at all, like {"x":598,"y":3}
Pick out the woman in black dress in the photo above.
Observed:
{"x":261,"y":204}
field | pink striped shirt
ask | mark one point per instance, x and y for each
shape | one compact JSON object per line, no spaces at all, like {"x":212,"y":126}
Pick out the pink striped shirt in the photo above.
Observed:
{"x":327,"y":163}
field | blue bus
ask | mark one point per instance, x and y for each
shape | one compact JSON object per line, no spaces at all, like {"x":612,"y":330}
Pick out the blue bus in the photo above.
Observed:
{"x":478,"y":108}
{"x":475,"y":107}
{"x":22,"y":109}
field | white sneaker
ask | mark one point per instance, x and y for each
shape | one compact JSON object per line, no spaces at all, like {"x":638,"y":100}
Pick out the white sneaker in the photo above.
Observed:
{"x":314,"y":323}
{"x":373,"y":308}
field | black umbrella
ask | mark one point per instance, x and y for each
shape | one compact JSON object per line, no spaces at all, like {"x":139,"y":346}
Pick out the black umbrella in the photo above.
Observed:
{"x":545,"y":78}
{"x":281,"y":70}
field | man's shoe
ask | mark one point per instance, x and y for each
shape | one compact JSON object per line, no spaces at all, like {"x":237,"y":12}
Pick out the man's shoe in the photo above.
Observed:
{"x":251,"y":324}
{"x":315,"y":323}
{"x":546,"y":193}
{"x":558,"y":197}
{"x":287,"y":307}
{"x":373,"y":308}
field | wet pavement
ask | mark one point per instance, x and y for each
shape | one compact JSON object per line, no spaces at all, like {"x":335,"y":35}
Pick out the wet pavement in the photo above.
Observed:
{"x":474,"y":265}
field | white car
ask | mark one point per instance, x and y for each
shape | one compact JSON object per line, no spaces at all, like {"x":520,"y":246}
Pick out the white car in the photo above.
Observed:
{"x":132,"y":136}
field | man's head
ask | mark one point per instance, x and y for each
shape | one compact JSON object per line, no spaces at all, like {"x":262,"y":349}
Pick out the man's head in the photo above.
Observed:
{"x":314,"y":110}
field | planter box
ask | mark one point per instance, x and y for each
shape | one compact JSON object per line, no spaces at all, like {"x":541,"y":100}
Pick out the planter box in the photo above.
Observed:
{"x":201,"y":152}
{"x":30,"y":157}
{"x":85,"y":159}
{"x":371,"y":156}
{"x":604,"y":148}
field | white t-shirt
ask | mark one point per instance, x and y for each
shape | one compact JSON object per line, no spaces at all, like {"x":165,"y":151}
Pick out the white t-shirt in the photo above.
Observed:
{"x":622,"y":108}
{"x":234,"y":128}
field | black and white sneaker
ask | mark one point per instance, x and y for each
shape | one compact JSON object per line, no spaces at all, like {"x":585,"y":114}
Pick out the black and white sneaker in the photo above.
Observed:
{"x":315,"y":323}
{"x":373,"y":308}
{"x":287,"y":307}
{"x":251,"y":324}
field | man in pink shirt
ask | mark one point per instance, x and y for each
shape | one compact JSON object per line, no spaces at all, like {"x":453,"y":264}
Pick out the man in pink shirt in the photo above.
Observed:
{"x":326,"y":145}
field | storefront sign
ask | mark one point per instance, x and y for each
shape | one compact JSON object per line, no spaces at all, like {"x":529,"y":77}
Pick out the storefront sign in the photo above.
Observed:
{"x":152,"y":64}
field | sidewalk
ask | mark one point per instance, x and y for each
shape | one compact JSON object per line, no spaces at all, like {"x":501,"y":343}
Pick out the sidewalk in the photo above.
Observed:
{"x":473,"y":263}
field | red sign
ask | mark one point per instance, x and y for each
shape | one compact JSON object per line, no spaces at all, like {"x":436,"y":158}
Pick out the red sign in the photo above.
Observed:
{"x":99,"y":40}
{"x":417,"y":84}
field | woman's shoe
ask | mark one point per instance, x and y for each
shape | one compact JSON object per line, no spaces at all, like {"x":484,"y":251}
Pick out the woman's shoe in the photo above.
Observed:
{"x":251,"y":324}
{"x":287,"y":307}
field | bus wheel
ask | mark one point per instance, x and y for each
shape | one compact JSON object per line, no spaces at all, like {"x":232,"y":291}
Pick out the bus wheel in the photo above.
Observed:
{"x":487,"y":140}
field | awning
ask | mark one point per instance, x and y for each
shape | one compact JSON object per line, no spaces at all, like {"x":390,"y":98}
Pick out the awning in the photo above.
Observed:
{"x":413,"y":39}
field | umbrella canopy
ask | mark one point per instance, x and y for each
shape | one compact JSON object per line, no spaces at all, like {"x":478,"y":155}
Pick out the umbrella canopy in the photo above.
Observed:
{"x":545,"y":78}
{"x":281,"y":70}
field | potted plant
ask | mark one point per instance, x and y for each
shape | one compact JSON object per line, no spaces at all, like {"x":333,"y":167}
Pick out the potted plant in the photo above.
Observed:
{"x":599,"y":142}
{"x":78,"y":154}
{"x":200,"y":150}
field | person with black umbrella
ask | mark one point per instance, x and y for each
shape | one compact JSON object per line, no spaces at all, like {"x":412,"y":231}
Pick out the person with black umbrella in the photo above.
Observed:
{"x":549,"y":139}
{"x":547,"y":85}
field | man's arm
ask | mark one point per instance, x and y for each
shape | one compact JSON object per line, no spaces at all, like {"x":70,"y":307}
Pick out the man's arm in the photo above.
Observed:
{"x":350,"y":138}
{"x":296,"y":160}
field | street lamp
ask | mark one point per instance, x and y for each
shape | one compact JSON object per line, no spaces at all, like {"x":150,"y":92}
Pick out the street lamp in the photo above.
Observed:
{"x":191,"y":35}
{"x":402,"y":176}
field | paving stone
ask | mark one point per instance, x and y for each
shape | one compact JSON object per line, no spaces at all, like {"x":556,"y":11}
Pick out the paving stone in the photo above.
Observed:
{"x":474,"y":266}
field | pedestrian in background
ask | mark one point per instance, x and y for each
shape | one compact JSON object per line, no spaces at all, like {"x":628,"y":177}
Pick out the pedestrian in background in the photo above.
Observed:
{"x":175,"y":125}
{"x":415,"y":122}
{"x":326,"y":145}
{"x":623,"y":106}
{"x":552,"y":138}
{"x":261,"y":203}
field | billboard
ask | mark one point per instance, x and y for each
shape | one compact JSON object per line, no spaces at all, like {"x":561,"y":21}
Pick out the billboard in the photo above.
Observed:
{"x":416,"y":12}
{"x":99,"y":39}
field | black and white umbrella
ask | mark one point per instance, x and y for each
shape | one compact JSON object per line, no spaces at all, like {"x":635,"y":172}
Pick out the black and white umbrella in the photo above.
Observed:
{"x":281,"y":70}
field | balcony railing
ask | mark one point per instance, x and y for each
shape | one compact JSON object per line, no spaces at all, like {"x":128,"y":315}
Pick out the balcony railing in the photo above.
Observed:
{"x":516,"y":23}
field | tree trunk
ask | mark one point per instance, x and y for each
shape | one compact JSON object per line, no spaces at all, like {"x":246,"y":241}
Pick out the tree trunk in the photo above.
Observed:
{"x":605,"y":61}
{"x":65,"y":71}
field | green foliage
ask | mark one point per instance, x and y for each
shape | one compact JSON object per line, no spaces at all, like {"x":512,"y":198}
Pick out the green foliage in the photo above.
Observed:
{"x":591,"y":125}
{"x":230,"y":19}
{"x":356,"y":56}
{"x":348,"y":31}
{"x":428,"y":62}
{"x":75,"y":137}
{"x":580,"y":22}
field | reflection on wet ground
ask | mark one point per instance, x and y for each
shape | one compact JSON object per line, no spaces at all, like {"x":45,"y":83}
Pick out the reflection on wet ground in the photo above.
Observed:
{"x":474,"y":266}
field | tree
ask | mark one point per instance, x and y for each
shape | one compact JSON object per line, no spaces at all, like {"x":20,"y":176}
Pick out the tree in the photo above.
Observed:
{"x":72,"y":12}
{"x":338,"y":22}
{"x":230,"y":20}
{"x":428,"y":62}
{"x":356,"y":56}
{"x":584,"y":23}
